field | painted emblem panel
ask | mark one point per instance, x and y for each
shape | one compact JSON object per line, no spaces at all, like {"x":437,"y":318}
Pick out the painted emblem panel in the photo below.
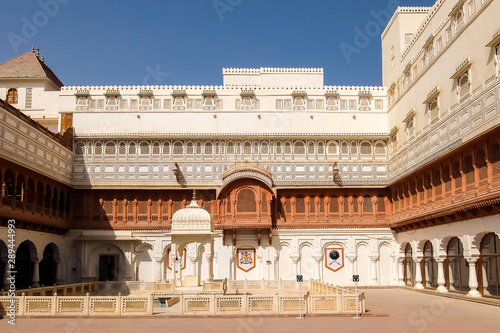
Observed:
{"x":334,"y":258}
{"x":246,"y":259}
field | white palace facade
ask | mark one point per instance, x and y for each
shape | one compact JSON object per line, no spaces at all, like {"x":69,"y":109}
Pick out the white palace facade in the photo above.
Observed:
{"x":401,"y":180}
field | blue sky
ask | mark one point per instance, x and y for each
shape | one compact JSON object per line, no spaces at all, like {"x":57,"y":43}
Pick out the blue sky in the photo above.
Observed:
{"x":126,"y":42}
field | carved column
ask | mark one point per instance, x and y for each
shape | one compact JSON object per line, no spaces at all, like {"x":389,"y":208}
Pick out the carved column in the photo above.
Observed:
{"x":327,"y":208}
{"x":317,"y":267}
{"x":115,"y":213}
{"x":317,"y":209}
{"x":489,"y":170}
{"x":361,"y":201}
{"x":473,"y":283}
{"x":295,"y":267}
{"x":158,"y":261}
{"x":340,"y":199}
{"x":283,"y":209}
{"x":125,"y":211}
{"x":136,"y":210}
{"x":210,"y":263}
{"x":350,"y":267}
{"x":441,"y":280}
{"x":160,"y":211}
{"x":373,"y":270}
{"x":401,"y":272}
{"x":60,"y":272}
{"x":350,"y":202}
{"x":307,"y":202}
{"x":418,"y":274}
{"x":150,"y":203}
{"x":36,"y":274}
{"x":292,"y":202}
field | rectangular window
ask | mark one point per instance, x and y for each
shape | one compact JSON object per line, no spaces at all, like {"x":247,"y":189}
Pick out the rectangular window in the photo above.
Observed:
{"x":439,"y":44}
{"x":319,"y":104}
{"x":352,"y":104}
{"x":29,"y":98}
{"x":408,"y":38}
{"x":343,"y":104}
{"x":279,"y":104}
{"x":310,"y":104}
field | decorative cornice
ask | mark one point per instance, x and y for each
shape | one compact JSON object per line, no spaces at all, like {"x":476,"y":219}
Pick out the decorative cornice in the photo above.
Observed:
{"x":226,"y":135}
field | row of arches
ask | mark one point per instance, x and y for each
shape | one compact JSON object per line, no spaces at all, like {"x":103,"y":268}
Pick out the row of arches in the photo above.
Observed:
{"x":35,"y":193}
{"x":255,"y":147}
{"x":32,"y":270}
{"x":425,"y":269}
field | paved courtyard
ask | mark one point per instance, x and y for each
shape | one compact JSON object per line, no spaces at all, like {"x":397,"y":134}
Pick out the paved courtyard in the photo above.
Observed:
{"x":392,"y":310}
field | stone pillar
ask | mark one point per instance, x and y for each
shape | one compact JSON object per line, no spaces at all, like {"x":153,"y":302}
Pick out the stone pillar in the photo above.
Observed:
{"x":394,"y":271}
{"x":36,"y":274}
{"x":158,"y":269}
{"x":418,"y":274}
{"x":210,"y":263}
{"x":317,"y":268}
{"x":473,"y":284}
{"x":373,"y":271}
{"x":441,"y":280}
{"x":133,"y":266}
{"x":401,"y":273}
{"x":295,"y":266}
{"x":61,"y":272}
{"x":350,"y":267}
{"x":192,"y":268}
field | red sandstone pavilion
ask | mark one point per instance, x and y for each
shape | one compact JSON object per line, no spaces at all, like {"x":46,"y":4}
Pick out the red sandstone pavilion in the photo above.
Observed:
{"x":401,"y":180}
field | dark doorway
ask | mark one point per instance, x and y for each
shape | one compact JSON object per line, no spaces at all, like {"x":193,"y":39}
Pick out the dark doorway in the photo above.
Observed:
{"x":24,"y":267}
{"x":108,"y":267}
{"x":48,"y":267}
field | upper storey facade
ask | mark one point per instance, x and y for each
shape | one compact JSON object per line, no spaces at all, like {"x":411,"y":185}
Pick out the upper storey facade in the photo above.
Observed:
{"x":262,"y":102}
{"x":442,"y":79}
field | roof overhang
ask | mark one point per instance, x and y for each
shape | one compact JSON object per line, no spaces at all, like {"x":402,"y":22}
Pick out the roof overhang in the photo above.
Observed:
{"x":464,"y":67}
{"x":495,"y":40}
{"x":432,"y":95}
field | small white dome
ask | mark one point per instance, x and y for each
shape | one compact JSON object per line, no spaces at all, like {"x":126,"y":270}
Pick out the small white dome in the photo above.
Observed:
{"x":193,"y":218}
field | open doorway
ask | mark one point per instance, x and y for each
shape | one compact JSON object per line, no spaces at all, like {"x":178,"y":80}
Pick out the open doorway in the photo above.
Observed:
{"x":108,"y":267}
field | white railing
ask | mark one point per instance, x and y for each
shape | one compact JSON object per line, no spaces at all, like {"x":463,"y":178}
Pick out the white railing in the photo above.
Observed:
{"x":268,"y":304}
{"x":249,"y":298}
{"x":63,"y":290}
{"x":77,"y":305}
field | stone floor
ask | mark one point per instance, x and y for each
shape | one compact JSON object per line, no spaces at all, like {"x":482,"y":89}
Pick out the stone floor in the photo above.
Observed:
{"x":391,"y":310}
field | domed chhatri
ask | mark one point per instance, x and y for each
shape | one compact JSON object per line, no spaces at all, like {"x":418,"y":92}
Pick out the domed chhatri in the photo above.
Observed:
{"x":193,"y":219}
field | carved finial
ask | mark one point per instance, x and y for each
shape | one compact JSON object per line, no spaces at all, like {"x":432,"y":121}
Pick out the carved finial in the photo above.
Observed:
{"x":33,"y":49}
{"x":194,"y":195}
{"x":43,"y":60}
{"x":37,"y":52}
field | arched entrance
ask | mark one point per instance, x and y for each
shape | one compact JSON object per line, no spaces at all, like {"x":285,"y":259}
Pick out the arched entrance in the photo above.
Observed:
{"x":430,"y":267}
{"x":26,"y":255}
{"x":490,"y":264}
{"x":457,"y":278}
{"x":409,"y":266}
{"x":48,"y":265}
